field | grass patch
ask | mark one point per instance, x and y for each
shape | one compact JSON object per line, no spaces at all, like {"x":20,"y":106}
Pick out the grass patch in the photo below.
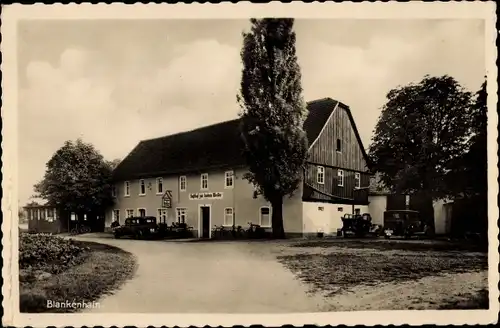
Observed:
{"x":103,"y":269}
{"x":403,"y":245}
{"x":337,"y":272}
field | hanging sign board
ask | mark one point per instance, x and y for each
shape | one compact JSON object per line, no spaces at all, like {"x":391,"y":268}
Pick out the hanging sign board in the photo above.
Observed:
{"x":166,"y":200}
{"x":205,"y":195}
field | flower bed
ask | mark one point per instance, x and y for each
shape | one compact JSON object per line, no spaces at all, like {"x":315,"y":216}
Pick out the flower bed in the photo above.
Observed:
{"x":56,"y":269}
{"x":50,"y":254}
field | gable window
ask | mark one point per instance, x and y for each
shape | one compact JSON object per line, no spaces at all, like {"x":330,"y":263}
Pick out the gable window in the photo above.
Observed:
{"x":142,"y":212}
{"x":181,"y":215}
{"x":130,"y":213}
{"x":339,"y":145}
{"x":162,"y":215}
{"x":142,"y":187}
{"x":204,"y":181}
{"x":182,"y":183}
{"x":127,"y":188}
{"x":357,"y":180}
{"x":228,"y":216}
{"x":116,"y":215}
{"x":113,"y":191}
{"x":340,"y":174}
{"x":265,"y":216}
{"x":229,"y":179}
{"x":320,"y":177}
{"x":159,"y":186}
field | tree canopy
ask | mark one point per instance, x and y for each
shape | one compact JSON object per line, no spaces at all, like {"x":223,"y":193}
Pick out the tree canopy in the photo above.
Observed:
{"x":273,"y":112}
{"x":77,"y":178}
{"x":468,"y":175}
{"x":423,"y":129}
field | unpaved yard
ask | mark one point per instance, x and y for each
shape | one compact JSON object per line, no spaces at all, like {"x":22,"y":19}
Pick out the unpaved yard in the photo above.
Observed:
{"x":390,"y":275}
{"x":297,"y":276}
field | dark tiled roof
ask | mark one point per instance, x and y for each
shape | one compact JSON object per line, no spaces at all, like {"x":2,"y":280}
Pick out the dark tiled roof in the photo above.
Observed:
{"x":214,"y":146}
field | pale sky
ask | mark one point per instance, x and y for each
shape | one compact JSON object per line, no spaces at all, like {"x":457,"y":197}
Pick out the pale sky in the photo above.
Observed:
{"x":114,"y":83}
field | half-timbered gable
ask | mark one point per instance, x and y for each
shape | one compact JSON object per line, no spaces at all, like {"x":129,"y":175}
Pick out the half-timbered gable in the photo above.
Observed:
{"x":337,"y":167}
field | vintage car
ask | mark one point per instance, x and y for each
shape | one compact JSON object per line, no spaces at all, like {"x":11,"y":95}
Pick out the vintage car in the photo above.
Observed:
{"x":404,"y":223}
{"x":358,"y":225}
{"x":138,"y":228}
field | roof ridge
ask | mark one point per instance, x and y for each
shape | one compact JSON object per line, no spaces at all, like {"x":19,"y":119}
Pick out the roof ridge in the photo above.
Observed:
{"x":227,"y":121}
{"x":192,"y":130}
{"x":322,"y":99}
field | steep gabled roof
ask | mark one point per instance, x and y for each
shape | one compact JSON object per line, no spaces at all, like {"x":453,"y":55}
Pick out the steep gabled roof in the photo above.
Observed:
{"x":214,"y":146}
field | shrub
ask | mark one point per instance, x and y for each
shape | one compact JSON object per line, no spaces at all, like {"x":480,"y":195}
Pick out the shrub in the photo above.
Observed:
{"x":48,"y":253}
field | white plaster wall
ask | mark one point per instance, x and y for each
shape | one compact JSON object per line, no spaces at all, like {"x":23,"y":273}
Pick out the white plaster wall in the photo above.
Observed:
{"x":315,"y":219}
{"x":325,"y":217}
{"x":441,"y":218}
{"x":376,"y":208}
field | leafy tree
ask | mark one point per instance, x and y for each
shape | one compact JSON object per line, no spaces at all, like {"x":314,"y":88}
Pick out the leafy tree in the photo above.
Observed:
{"x":468,"y":177}
{"x":114,"y":163}
{"x":77,"y":179}
{"x":422,"y":130}
{"x":273,"y":113}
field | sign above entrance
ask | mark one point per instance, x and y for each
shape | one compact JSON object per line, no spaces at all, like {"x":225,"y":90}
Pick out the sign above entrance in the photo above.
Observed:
{"x":205,"y":195}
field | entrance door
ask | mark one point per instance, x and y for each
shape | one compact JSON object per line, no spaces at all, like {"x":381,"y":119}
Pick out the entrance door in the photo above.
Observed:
{"x":205,"y":221}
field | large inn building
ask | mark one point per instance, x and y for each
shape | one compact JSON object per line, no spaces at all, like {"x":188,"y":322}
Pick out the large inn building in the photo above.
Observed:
{"x":196,"y":177}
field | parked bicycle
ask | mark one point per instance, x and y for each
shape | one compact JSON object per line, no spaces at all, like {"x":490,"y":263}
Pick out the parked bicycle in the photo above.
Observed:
{"x":79,"y":229}
{"x":254,"y":231}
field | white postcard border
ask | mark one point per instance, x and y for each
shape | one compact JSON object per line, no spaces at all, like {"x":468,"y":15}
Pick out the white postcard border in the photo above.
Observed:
{"x":10,"y":290}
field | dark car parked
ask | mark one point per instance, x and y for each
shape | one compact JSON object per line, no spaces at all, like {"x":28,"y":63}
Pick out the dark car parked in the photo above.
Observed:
{"x":138,"y":228}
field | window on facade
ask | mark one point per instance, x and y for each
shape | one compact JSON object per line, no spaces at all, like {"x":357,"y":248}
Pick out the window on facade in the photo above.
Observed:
{"x":321,"y":175}
{"x":265,"y":216}
{"x":228,"y":216}
{"x":29,"y":215}
{"x":182,"y":183}
{"x":162,"y":215}
{"x":50,"y":212}
{"x":116,"y":215}
{"x":340,"y":174}
{"x":142,"y":212}
{"x":159,"y":185}
{"x":339,"y":145}
{"x":181,"y":215}
{"x":142,"y":187}
{"x":204,"y":181}
{"x":357,"y":180}
{"x":127,"y":188}
{"x":42,"y":214}
{"x":130,"y":213}
{"x":229,"y":179}
{"x":35,"y":213}
{"x":113,"y":191}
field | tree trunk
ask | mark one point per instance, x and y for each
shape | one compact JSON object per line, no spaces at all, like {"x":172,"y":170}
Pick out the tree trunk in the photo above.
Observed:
{"x":277,"y":218}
